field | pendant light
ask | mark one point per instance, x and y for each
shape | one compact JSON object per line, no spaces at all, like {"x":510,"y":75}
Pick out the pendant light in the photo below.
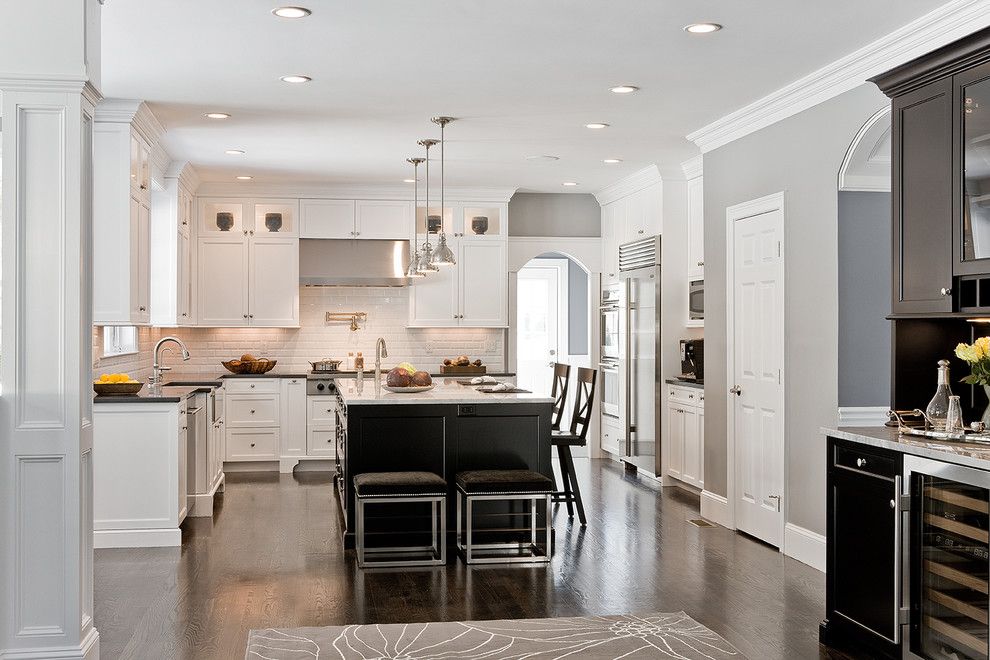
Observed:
{"x":443,"y":256}
{"x":413,"y":270}
{"x":426,"y":264}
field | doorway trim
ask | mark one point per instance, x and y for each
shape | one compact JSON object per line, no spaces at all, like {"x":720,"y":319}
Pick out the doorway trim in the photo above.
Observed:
{"x":759,"y":206}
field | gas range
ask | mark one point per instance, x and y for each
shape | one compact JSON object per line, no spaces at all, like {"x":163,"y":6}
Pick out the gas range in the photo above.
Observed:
{"x":320,"y":383}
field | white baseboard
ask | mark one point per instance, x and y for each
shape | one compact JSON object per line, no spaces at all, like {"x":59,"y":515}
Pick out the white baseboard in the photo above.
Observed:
{"x":715,"y":508}
{"x":201,"y":504}
{"x":137,"y":538}
{"x":863,"y":415}
{"x":88,"y":649}
{"x":250,"y":466}
{"x":305,"y":464}
{"x":806,"y":546}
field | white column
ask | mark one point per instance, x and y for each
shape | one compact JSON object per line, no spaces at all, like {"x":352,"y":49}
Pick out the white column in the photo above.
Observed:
{"x":48,"y":55}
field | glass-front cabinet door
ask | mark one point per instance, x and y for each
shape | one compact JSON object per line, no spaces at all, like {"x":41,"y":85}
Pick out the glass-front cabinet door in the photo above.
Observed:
{"x":950,"y":613}
{"x":973,"y":107}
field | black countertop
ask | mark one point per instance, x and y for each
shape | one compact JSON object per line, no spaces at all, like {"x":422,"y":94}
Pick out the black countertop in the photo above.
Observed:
{"x":685,"y":383}
{"x":165,"y":394}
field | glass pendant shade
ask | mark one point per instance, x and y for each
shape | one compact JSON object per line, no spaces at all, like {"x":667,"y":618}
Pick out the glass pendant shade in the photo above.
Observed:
{"x":425,"y":266}
{"x":413,"y":270}
{"x":443,"y":255}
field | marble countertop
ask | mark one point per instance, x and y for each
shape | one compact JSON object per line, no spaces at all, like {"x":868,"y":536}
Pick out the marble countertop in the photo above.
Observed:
{"x":165,"y":394}
{"x":445,"y":391}
{"x":971,"y":455}
{"x":685,"y":383}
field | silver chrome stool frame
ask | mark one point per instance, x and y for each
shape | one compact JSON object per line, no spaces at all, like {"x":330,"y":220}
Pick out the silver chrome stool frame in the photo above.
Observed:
{"x":438,"y":550}
{"x":468,"y":548}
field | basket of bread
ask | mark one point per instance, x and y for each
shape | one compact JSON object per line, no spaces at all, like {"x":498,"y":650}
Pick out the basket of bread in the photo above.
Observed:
{"x":462,"y":365}
{"x":248,"y":364}
{"x":116,"y":385}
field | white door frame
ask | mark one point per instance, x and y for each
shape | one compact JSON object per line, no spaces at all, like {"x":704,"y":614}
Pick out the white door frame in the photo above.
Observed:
{"x":767,"y":204}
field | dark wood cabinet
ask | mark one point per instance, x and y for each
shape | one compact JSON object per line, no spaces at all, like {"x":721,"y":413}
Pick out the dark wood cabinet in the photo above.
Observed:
{"x":862,"y":575}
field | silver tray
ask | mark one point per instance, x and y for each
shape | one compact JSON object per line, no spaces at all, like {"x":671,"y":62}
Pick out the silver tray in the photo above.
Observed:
{"x":976,"y":436}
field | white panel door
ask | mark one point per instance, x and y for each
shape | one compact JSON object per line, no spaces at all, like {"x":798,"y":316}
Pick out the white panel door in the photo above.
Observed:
{"x":293,"y":417}
{"x":675,"y":438}
{"x":326,"y":218}
{"x":696,"y":228}
{"x":433,"y":299}
{"x":383,"y":219}
{"x":757,"y":328}
{"x":273,"y":281}
{"x":143,"y":257}
{"x":537,"y":328}
{"x":222,"y":281}
{"x":610,"y":243}
{"x":483,"y":284}
{"x":692,"y":447}
{"x":183,"y":293}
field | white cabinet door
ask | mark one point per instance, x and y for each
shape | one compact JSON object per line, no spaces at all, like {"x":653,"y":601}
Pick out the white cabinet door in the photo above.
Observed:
{"x":692,"y":448}
{"x":252,"y":444}
{"x":700,"y":483}
{"x":634,"y":227}
{"x":143,"y":262}
{"x":696,"y":228}
{"x":483,"y":284}
{"x":183,"y":454}
{"x":610,"y":243}
{"x":293,"y":431}
{"x":383,"y":219}
{"x":433,"y":299}
{"x":326,"y":218}
{"x":183,"y":293}
{"x":273,"y":281}
{"x":222,"y":281}
{"x":675,"y":453}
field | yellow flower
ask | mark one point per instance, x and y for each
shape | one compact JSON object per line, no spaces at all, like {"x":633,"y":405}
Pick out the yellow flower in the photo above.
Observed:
{"x":967,"y":353}
{"x":982,"y":346}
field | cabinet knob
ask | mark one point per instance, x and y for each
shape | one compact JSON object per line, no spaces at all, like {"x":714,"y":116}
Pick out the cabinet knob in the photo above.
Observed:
{"x":329,"y":410}
{"x":184,"y":314}
{"x":252,"y":384}
{"x":250,"y":316}
{"x":252,"y":412}
{"x":860,"y":462}
{"x":893,"y":504}
{"x":357,"y":233}
{"x":252,"y":444}
{"x":701,"y":263}
{"x":640,"y":231}
{"x":245,"y":316}
{"x":140,"y":309}
{"x":329,"y":441}
{"x":690,"y":396}
{"x":945,"y":291}
{"x":245,"y":232}
{"x":185,"y":222}
{"x":252,"y":232}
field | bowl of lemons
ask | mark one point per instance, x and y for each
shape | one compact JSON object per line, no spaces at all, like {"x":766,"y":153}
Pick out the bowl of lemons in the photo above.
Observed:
{"x":116,"y":385}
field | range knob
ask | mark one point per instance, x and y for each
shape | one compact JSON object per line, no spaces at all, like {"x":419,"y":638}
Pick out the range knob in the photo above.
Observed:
{"x":321,"y":387}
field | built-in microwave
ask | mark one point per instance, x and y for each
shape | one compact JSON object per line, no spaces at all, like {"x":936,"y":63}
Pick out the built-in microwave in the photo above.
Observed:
{"x":696,"y":300}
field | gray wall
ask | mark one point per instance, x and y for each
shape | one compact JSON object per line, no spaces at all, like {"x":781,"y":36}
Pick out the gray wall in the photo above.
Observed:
{"x":554,"y":214}
{"x":800,"y":155}
{"x":577,"y":305}
{"x":864,"y":298}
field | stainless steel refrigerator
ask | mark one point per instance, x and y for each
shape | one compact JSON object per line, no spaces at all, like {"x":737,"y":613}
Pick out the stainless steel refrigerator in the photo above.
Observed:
{"x":639,"y":353}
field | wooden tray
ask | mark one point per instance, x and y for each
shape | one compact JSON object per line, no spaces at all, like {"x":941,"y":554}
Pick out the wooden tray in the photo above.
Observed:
{"x":462,"y":371}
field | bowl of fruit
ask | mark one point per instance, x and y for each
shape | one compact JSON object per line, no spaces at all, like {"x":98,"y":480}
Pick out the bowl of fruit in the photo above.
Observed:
{"x":248,"y":364}
{"x":406,"y":379}
{"x":116,"y":385}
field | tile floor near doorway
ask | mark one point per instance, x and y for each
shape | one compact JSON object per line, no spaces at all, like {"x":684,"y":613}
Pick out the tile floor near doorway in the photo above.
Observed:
{"x":271,"y":557}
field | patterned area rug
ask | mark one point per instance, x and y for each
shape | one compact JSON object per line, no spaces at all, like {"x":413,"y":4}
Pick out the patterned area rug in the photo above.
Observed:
{"x":587,"y":638}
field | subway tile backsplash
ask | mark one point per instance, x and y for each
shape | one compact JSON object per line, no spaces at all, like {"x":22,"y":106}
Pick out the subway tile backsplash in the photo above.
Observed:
{"x":387,"y":310}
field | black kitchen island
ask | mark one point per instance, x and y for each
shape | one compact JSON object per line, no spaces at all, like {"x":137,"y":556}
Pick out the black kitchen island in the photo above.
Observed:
{"x":446,"y":430}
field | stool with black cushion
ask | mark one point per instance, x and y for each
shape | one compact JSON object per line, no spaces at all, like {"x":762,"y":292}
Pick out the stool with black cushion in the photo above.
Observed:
{"x":506,"y":486}
{"x":576,"y":436}
{"x":401,"y":488}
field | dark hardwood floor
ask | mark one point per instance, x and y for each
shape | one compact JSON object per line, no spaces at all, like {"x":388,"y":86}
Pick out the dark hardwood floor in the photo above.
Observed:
{"x":271,"y":557}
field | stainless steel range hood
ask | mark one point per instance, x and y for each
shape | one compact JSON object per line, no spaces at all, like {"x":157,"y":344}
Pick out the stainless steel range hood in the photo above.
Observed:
{"x":333,"y":262}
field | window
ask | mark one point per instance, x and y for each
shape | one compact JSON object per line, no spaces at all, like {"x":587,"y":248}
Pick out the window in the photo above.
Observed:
{"x":119,"y":340}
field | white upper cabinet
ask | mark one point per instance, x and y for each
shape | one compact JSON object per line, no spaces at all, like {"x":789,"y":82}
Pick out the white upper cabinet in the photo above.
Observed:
{"x":273,"y":281}
{"x":611,"y":229}
{"x":483,"y":281}
{"x":642,"y":214}
{"x":433,"y":300}
{"x":696,"y":228}
{"x":326,"y":218}
{"x":222,"y":280}
{"x":121,"y":224}
{"x":275,"y":217}
{"x":382,"y":219}
{"x":172,"y":216}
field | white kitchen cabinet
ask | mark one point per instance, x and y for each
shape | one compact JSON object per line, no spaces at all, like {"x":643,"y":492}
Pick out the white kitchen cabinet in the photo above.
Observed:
{"x":293,"y":414}
{"x":696,"y":228}
{"x":326,"y":218}
{"x":433,"y":300}
{"x":383,"y":219}
{"x":686,"y":434}
{"x":222,"y":280}
{"x":247,"y":444}
{"x":483,"y":281}
{"x":321,"y":434}
{"x":612,"y":228}
{"x":273,"y":281}
{"x":253,"y":419}
{"x":172,"y":215}
{"x":643,"y":213}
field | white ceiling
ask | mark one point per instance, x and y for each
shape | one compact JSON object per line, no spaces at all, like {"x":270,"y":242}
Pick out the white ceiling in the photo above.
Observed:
{"x":524,"y":76}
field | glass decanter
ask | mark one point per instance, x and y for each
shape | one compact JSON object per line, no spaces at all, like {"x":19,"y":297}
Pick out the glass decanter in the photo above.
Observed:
{"x":938,"y":407}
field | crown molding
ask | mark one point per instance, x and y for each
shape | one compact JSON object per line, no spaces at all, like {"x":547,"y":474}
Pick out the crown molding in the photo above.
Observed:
{"x":345,"y":191}
{"x":627,"y":186}
{"x":186,"y":174}
{"x":938,"y":28}
{"x":33,"y":82}
{"x":132,"y":111}
{"x":693,"y":168}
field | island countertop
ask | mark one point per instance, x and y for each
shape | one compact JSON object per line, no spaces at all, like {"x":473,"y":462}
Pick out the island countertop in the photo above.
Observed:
{"x":445,"y":391}
{"x":968,"y":454}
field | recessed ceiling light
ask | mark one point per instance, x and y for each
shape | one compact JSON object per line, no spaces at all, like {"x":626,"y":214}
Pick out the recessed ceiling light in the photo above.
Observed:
{"x":296,"y":79}
{"x":612,"y":161}
{"x":234,"y":152}
{"x":702,"y":28}
{"x":217,"y":115}
{"x":546,"y":157}
{"x":569,"y":183}
{"x":244,"y":177}
{"x":596,"y":124}
{"x":291,"y":12}
{"x":409,"y":181}
{"x":624,"y":89}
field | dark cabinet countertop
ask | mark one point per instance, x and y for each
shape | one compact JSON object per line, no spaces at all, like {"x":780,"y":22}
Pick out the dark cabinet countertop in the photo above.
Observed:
{"x":970,"y":455}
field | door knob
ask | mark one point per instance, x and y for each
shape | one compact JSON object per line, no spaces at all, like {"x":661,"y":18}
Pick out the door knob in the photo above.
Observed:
{"x":735,"y":390}
{"x":553,"y":352}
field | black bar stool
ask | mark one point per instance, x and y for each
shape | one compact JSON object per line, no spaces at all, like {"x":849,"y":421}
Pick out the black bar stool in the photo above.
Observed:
{"x":561,"y":381}
{"x":400,"y":488}
{"x":575,"y":437}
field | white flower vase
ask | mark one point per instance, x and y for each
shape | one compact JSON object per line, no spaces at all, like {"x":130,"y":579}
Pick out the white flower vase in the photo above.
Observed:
{"x":986,"y":413}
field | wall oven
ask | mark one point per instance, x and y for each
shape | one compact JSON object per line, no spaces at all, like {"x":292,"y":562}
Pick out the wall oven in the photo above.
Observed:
{"x":610,"y":386}
{"x":610,"y":312}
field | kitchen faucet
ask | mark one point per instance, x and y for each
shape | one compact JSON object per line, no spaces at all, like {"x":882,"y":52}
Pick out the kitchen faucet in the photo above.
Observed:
{"x":157,"y":368}
{"x":380,"y":351}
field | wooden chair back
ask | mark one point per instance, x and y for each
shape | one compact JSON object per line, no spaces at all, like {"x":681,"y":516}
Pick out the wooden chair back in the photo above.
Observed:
{"x":583,"y":402}
{"x":561,"y":381}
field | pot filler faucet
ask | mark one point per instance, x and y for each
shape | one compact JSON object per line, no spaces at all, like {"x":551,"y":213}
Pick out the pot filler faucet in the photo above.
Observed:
{"x":157,"y":368}
{"x":380,"y":351}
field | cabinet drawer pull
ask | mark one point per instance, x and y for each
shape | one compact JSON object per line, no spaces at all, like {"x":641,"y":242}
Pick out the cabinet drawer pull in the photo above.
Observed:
{"x":860,"y":462}
{"x":140,"y":309}
{"x":690,"y":396}
{"x":252,"y":384}
{"x":252,"y":444}
{"x":640,"y":231}
{"x":252,"y":412}
{"x":893,"y":504}
{"x":945,"y":291}
{"x":329,"y":409}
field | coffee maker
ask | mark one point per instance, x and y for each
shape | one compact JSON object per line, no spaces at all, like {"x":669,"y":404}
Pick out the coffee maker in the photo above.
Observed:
{"x":692,"y":360}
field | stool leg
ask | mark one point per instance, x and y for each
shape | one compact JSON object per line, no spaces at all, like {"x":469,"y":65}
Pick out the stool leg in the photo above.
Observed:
{"x":548,"y":528}
{"x":532,"y":522}
{"x":467,"y":525}
{"x":572,"y":478}
{"x":458,"y":523}
{"x":433,"y":522}
{"x":359,"y":544}
{"x":443,"y":531}
{"x":565,"y":478}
